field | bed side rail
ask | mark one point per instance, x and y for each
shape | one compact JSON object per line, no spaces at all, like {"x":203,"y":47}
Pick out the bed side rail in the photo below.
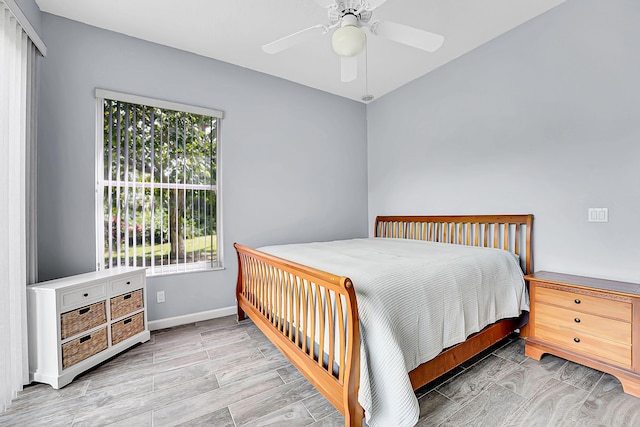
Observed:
{"x":310,"y":315}
{"x":508,"y":232}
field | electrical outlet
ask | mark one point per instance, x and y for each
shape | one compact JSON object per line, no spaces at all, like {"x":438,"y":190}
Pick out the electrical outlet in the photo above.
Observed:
{"x":598,"y":215}
{"x":160,"y":296}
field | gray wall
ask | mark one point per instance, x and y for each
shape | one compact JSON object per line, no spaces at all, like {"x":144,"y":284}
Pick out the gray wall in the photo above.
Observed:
{"x":293,"y":159}
{"x":544,"y":120}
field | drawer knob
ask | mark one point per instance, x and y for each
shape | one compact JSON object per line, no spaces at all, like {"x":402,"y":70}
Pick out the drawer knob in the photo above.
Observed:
{"x":577,"y":301}
{"x":576,"y":339}
{"x":577,"y":320}
{"x":85,"y":294}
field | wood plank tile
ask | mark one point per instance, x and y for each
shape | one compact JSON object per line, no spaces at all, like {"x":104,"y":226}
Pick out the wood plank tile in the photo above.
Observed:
{"x":289,"y":373}
{"x":473,"y":381}
{"x":513,"y":351}
{"x":272,"y":353}
{"x":142,"y":420}
{"x":56,"y":417}
{"x":435,"y":408}
{"x":137,"y":403}
{"x":608,"y":405}
{"x":175,"y":336}
{"x":531,"y":375}
{"x":227,"y":333}
{"x":491,"y":408}
{"x":120,"y":391}
{"x":335,"y":420}
{"x":124,"y":362}
{"x":318,"y":406}
{"x":202,"y":404}
{"x":438,"y":381}
{"x":579,"y":376}
{"x":521,"y":419}
{"x":219,"y":418}
{"x":554,"y":404}
{"x":173,"y":352}
{"x":115,"y":388}
{"x":294,"y":415}
{"x":220,"y":322}
{"x":39,"y":395}
{"x":255,"y":407}
{"x":177,"y":377}
{"x":248,"y":370}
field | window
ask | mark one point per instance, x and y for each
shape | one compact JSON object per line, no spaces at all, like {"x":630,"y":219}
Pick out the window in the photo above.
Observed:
{"x":157,"y":186}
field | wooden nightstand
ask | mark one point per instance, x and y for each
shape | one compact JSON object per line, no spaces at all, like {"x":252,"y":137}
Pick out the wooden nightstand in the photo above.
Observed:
{"x":590,"y":321}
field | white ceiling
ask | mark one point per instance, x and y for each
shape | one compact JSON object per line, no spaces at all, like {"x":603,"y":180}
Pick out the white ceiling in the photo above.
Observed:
{"x":233,"y":31}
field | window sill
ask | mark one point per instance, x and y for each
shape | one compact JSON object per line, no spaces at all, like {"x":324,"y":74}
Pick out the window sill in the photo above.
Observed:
{"x":175,"y":273}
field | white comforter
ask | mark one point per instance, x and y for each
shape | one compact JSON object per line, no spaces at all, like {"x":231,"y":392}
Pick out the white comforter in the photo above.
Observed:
{"x":415,"y":298}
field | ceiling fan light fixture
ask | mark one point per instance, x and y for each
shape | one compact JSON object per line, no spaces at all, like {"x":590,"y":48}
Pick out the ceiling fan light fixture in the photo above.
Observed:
{"x":348,"y":40}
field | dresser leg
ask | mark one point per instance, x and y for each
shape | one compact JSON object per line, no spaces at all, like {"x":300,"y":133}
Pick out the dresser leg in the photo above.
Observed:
{"x":532,"y":351}
{"x":629,"y":385}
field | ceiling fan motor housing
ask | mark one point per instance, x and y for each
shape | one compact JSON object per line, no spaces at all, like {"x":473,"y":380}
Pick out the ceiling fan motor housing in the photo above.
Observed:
{"x":343,"y":8}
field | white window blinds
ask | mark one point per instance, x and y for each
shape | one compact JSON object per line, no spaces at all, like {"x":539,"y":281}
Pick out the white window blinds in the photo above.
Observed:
{"x":18,"y":265}
{"x":158,"y":185}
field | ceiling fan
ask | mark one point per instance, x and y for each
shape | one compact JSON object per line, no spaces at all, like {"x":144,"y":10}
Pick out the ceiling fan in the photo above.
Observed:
{"x":349,"y":39}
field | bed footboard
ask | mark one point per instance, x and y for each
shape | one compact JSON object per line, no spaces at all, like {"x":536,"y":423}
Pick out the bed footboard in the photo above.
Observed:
{"x":312,"y":317}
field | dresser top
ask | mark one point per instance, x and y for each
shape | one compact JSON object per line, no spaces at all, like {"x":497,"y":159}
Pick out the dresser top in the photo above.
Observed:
{"x":585,"y":282}
{"x":92,"y":276}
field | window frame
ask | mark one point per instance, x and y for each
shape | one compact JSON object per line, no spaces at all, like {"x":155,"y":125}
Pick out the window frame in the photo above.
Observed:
{"x":101,"y":95}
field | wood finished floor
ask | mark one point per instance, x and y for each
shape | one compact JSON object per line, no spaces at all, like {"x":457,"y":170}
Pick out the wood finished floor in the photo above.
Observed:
{"x":219,"y":373}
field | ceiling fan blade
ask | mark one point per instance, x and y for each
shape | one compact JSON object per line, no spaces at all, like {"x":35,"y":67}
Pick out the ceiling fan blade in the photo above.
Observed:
{"x":293,"y":39}
{"x":326,"y":3}
{"x":348,"y":68}
{"x":410,"y":36}
{"x":373,"y":4}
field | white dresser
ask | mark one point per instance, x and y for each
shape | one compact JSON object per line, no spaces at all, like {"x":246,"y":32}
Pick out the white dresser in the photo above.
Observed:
{"x":78,"y":322}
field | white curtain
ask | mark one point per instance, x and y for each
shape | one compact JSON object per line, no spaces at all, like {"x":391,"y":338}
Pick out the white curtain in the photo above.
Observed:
{"x":18,"y":265}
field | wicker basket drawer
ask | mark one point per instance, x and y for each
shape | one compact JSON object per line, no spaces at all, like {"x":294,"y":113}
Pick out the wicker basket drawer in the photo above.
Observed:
{"x":126,"y":328}
{"x":81,"y":348}
{"x":126,"y":303}
{"x":82,"y":319}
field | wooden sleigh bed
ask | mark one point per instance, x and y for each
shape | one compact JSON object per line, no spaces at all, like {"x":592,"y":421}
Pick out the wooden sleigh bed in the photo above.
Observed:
{"x":272,"y":291}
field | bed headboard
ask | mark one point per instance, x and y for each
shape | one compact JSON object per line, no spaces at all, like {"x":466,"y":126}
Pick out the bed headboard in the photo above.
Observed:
{"x":508,"y":232}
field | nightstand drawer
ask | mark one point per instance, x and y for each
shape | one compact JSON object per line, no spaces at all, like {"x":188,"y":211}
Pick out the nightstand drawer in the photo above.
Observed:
{"x":596,"y":303}
{"x":602,"y":327}
{"x":585,"y":344}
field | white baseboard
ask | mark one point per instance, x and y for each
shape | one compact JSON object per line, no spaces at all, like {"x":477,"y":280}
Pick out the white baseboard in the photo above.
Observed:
{"x":170,"y":322}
